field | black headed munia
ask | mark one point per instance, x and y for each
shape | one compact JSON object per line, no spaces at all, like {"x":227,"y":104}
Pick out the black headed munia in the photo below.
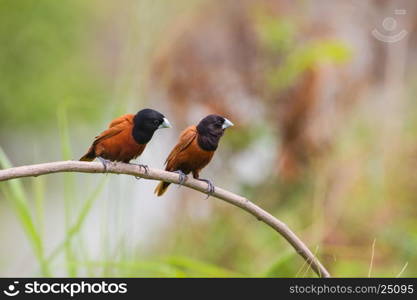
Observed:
{"x":126,"y":137}
{"x":195,"y":150}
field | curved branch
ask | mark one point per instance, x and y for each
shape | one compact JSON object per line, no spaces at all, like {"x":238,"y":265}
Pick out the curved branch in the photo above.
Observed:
{"x":156,"y":174}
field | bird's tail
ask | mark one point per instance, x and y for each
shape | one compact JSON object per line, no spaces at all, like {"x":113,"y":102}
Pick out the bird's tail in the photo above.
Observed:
{"x":161,"y":188}
{"x":89,"y":156}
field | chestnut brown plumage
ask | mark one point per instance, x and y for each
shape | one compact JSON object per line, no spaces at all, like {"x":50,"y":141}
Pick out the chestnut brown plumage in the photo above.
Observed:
{"x":126,"y":137}
{"x":195,"y":149}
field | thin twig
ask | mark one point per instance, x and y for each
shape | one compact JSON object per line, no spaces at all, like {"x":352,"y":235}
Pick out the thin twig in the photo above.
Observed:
{"x":402,"y":270}
{"x":156,"y":174}
{"x":372,"y":259}
{"x":310,"y":263}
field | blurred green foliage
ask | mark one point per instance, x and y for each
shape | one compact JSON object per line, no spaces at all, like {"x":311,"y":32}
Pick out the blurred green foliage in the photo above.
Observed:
{"x":304,"y":58}
{"x":15,"y":192}
{"x":279,"y":37}
{"x":42,"y":62}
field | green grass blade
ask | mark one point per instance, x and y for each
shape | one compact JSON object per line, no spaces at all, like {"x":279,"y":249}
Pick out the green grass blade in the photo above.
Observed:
{"x":69,"y":185}
{"x":14,"y":191}
{"x":135,"y":268}
{"x":200,"y":269}
{"x":77,"y":226}
{"x":38,"y":187}
{"x":283,"y":266}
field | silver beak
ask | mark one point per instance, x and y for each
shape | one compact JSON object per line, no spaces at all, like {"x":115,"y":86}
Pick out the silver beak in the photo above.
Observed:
{"x":165,"y":124}
{"x":227,"y":124}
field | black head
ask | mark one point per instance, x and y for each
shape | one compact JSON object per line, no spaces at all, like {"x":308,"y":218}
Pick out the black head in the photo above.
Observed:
{"x":210,"y":130}
{"x":146,"y":122}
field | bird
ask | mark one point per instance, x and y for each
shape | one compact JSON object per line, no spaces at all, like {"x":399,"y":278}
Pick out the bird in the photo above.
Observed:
{"x":194,"y":150}
{"x":126,"y":137}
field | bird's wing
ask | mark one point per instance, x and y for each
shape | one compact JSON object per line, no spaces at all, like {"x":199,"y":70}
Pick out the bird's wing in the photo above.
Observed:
{"x":115,"y":127}
{"x":186,"y":138}
{"x":122,"y":119}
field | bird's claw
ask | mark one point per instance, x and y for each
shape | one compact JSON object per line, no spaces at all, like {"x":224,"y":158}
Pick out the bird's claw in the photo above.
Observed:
{"x":210,"y":187}
{"x":145,"y":167}
{"x":182,"y":177}
{"x":104,"y":162}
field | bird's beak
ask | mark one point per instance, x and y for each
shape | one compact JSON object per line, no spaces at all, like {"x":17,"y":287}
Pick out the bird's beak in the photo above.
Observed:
{"x":165,"y":124}
{"x":227,"y":124}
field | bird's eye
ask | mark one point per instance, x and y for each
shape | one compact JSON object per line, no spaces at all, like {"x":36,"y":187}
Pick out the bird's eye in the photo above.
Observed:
{"x":156,"y":122}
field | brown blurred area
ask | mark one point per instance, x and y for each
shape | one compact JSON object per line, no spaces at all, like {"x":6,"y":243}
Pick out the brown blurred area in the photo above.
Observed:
{"x":216,"y":60}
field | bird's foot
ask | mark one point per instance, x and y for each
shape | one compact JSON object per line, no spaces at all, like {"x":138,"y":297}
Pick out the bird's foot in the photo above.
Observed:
{"x":210,"y":187}
{"x":104,"y":162}
{"x":182,"y":177}
{"x":144,"y":167}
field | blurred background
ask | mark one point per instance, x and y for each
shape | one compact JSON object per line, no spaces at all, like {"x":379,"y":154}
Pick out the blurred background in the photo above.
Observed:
{"x":322,"y":94}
